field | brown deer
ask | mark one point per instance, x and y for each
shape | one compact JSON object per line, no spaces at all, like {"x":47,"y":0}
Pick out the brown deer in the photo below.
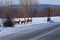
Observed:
{"x":23,"y":22}
{"x":17,"y":22}
{"x":29,"y":20}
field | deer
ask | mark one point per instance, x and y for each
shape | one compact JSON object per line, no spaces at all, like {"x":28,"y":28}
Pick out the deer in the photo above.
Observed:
{"x":17,"y":22}
{"x":23,"y":22}
{"x":29,"y":20}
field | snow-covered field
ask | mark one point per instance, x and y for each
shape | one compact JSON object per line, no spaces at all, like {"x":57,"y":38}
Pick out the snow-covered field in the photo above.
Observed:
{"x":40,"y":20}
{"x":37,"y":23}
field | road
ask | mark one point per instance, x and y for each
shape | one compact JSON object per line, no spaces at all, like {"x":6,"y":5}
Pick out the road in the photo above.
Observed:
{"x":49,"y":33}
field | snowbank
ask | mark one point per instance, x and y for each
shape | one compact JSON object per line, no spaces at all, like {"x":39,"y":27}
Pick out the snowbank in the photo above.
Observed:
{"x":38,"y":23}
{"x":8,"y":31}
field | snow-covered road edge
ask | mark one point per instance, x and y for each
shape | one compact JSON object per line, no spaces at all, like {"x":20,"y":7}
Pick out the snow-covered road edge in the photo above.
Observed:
{"x":26,"y":29}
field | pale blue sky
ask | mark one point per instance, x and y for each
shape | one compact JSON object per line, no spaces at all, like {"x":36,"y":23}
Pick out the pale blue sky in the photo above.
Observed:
{"x":55,"y":2}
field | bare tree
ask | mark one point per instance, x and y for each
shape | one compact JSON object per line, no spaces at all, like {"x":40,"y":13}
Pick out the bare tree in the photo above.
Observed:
{"x":28,"y":2}
{"x":6,"y":2}
{"x":29,"y":5}
{"x":54,"y":12}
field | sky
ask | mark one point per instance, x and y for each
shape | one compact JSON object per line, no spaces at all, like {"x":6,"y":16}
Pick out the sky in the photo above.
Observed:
{"x":54,"y":2}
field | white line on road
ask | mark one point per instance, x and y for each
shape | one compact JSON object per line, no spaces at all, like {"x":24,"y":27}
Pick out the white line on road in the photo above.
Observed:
{"x":40,"y":36}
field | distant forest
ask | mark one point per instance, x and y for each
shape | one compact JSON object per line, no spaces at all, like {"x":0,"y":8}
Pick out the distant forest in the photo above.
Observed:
{"x":16,"y":11}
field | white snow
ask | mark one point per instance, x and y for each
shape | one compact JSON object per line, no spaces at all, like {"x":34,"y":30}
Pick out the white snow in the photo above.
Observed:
{"x":37,"y":23}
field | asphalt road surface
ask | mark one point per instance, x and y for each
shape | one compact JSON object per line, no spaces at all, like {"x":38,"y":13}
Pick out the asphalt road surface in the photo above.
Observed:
{"x":49,"y":33}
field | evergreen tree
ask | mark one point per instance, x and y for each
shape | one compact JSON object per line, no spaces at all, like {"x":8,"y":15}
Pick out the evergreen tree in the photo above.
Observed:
{"x":8,"y":22}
